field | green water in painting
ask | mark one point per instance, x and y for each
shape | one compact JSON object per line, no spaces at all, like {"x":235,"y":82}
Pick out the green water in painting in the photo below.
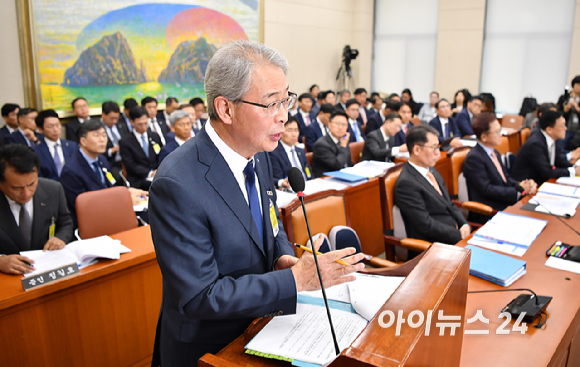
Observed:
{"x":59,"y":97}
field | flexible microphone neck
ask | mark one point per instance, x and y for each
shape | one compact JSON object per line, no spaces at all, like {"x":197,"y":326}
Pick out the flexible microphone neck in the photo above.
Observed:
{"x":296,"y":181}
{"x":557,"y":216}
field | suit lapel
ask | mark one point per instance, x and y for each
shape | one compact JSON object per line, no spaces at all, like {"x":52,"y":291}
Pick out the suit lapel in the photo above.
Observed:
{"x":41,"y":211}
{"x":7,"y":218}
{"x":43,"y":148}
{"x":89,"y":170}
{"x":220,"y":177}
{"x":423,"y":181}
{"x":265,"y":187}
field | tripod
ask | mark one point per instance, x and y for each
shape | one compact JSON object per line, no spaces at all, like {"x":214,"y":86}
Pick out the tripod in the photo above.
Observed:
{"x":345,"y":77}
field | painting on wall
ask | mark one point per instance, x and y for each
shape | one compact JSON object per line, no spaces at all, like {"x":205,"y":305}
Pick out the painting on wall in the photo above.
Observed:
{"x":115,"y":49}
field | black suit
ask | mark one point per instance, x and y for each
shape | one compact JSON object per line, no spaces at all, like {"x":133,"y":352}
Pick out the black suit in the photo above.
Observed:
{"x":376,"y":148}
{"x":427,"y":215}
{"x":71,"y":128}
{"x":116,"y":165}
{"x":484,"y":183}
{"x":4,"y":134}
{"x":533,"y":161}
{"x":49,"y":205}
{"x":124,"y":126}
{"x":374,"y":122}
{"x":328,"y":156}
{"x":281,"y":164}
{"x":137,"y":164}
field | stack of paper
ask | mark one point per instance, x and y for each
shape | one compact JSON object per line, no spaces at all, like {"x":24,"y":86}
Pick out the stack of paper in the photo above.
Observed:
{"x":571,"y":181}
{"x":468,"y":142}
{"x":497,"y":268}
{"x":509,"y":233}
{"x":553,"y":204}
{"x":562,"y":190}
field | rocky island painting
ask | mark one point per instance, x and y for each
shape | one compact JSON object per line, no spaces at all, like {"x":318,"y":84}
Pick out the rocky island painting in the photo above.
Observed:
{"x":114,"y":49}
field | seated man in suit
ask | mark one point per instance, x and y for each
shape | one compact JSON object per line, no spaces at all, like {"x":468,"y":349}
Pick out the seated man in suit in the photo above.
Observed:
{"x":421,"y":195}
{"x":80,"y":108}
{"x":181,"y":127}
{"x":139,"y":150}
{"x":124,"y":123}
{"x":377,"y":104}
{"x":331,"y":152}
{"x":26,"y":133}
{"x":171,"y":104}
{"x":378,"y":119}
{"x":288,"y":155}
{"x":10,"y":117}
{"x":329,"y":97}
{"x":354,"y":127}
{"x":150,"y":105}
{"x":53,"y":151}
{"x":465,"y":117}
{"x":360,"y":95}
{"x":428,"y":111}
{"x":318,"y":128}
{"x":199,"y":107}
{"x":384,"y":143}
{"x":445,"y":125}
{"x":538,"y":158}
{"x":487,"y":179}
{"x":343,"y":97}
{"x":110,"y":113}
{"x":304,"y":117}
{"x":406,"y":114}
{"x":33,"y":212}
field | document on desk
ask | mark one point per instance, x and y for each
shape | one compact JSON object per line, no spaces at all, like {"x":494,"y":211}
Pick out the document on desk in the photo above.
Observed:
{"x":570,"y":181}
{"x":562,"y":190}
{"x":552,"y":204}
{"x":468,"y":142}
{"x":306,"y":335}
{"x":48,"y":260}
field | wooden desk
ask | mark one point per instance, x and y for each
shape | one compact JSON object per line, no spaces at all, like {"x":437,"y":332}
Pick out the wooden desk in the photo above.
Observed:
{"x":105,"y":316}
{"x":363,"y":207}
{"x":555,"y":344}
{"x":443,"y":165}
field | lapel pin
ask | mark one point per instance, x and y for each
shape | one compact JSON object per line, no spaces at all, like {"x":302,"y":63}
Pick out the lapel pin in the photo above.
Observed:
{"x":269,"y":193}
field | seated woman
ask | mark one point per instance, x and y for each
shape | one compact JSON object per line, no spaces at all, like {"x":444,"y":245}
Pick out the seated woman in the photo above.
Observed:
{"x":487,"y":179}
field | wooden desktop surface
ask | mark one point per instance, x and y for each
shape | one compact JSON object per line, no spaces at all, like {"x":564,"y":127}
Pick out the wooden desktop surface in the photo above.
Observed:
{"x":104,"y":316}
{"x":549,"y":346}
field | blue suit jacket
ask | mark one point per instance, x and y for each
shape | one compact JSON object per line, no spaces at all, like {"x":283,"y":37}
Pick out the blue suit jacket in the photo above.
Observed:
{"x":281,"y":164}
{"x":352,"y":138}
{"x":302,"y":125}
{"x":78,"y":177}
{"x":168,"y":148}
{"x":217,"y":274}
{"x":47,"y":167}
{"x":17,"y":138}
{"x":312,"y":133}
{"x":453,"y":130}
{"x":463,"y":123}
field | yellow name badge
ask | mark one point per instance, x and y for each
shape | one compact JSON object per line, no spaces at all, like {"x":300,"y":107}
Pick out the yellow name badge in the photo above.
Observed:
{"x":156,"y":148}
{"x":52,"y":228}
{"x":274,"y":219}
{"x":307,"y":171}
{"x":111,"y":178}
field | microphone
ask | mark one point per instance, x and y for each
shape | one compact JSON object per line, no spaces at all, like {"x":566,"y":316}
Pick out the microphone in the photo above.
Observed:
{"x":296,"y":181}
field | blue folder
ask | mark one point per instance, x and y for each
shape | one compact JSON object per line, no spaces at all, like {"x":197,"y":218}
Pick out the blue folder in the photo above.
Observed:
{"x":497,"y":268}
{"x":348,"y":177}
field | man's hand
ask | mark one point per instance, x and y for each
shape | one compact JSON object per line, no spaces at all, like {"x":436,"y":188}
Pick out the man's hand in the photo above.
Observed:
{"x":285,"y":183}
{"x":529,"y":186}
{"x":332,"y":272}
{"x":137,"y":196}
{"x":115,"y":149}
{"x":465,"y":230}
{"x":455,"y":143}
{"x":285,"y":262}
{"x":15,"y":264}
{"x":53,"y":243}
{"x":344,"y":140}
{"x":30,"y":135}
{"x":577,"y":169}
{"x":574,"y":155}
{"x":403,"y":148}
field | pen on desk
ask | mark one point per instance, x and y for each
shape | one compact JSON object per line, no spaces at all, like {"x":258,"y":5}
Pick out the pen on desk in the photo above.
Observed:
{"x":555,"y":251}
{"x":561,"y":252}
{"x":341,"y":262}
{"x":27,"y":263}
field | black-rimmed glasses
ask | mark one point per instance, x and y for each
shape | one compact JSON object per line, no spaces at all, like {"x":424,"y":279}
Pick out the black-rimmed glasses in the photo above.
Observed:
{"x":272,"y":108}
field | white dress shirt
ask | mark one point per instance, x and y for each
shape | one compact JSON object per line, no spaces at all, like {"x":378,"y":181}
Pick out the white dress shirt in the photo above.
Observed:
{"x":444,"y":123}
{"x":179,"y":141}
{"x":394,"y":150}
{"x":322,"y":126}
{"x":552,"y":152}
{"x":51,"y":144}
{"x":423,"y":171}
{"x":154,"y":126}
{"x":15,"y":209}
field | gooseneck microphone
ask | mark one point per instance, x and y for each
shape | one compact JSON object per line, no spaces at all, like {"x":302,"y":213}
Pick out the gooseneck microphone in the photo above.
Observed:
{"x":296,"y":181}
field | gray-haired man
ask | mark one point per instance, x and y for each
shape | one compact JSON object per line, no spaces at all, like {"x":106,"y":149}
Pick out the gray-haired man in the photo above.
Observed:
{"x":181,"y":125}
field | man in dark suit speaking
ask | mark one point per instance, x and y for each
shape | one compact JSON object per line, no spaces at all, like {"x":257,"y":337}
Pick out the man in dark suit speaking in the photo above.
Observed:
{"x":33,"y":211}
{"x":421,"y":195}
{"x":222,"y":250}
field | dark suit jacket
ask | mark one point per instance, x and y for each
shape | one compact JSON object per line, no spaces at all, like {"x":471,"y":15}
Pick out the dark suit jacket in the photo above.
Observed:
{"x":376,"y":148}
{"x":162,"y":121}
{"x":340,"y":106}
{"x":47,"y":167}
{"x":124,"y":126}
{"x":281,"y":164}
{"x":110,"y":145}
{"x":136,"y":162}
{"x":533,"y":161}
{"x":17,"y":138}
{"x":328,"y":157}
{"x":71,"y":129}
{"x":427,"y":215}
{"x":217,"y":274}
{"x":302,"y":124}
{"x":49,"y":206}
{"x":168,"y":148}
{"x":164,"y":128}
{"x":453,"y":130}
{"x":78,"y":177}
{"x":4,"y":134}
{"x":484,"y":183}
{"x":312,"y":134}
{"x":369,"y":114}
{"x":374,"y":122}
{"x":463,"y":123}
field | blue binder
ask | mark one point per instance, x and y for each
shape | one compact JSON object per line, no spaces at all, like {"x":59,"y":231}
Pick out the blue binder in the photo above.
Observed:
{"x":497,"y":268}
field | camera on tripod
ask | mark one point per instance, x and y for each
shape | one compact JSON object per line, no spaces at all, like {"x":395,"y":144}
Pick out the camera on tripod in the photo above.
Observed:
{"x":348,"y":54}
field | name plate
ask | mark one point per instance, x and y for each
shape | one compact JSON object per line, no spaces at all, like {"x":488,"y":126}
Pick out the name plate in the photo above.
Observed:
{"x":49,"y":276}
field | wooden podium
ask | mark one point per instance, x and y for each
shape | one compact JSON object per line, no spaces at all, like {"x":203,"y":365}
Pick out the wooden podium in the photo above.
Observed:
{"x":436,"y":281}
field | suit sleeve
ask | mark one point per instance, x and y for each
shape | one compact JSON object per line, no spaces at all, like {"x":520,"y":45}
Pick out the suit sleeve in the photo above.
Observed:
{"x":190,"y":269}
{"x":73,"y":187}
{"x":333,"y":162}
{"x":64,"y":223}
{"x":478,"y":179}
{"x":455,"y":211}
{"x":409,"y":200}
{"x":538,"y":158}
{"x":463,"y":125}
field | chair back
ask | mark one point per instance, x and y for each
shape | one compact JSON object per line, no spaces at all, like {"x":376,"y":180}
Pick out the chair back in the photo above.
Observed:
{"x":356,"y":149}
{"x":457,"y":158}
{"x":415,"y":121}
{"x":387,"y":186}
{"x":513,"y":121}
{"x":303,"y":141}
{"x":525,"y":134}
{"x":105,"y":212}
{"x":504,"y":147}
{"x":309,"y":158}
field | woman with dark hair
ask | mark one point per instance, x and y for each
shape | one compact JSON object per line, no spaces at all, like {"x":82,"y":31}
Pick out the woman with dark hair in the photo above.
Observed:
{"x":407,"y":97}
{"x":460,"y":100}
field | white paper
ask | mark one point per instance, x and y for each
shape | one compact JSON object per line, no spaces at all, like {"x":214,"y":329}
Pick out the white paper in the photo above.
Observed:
{"x":375,"y":165}
{"x":48,"y":260}
{"x":284,"y":198}
{"x":468,"y":142}
{"x":493,"y":245}
{"x":562,"y":190}
{"x":368,"y":293}
{"x":99,"y":247}
{"x":555,"y":204}
{"x":338,"y":293}
{"x":567,"y":265}
{"x":306,"y":335}
{"x":572,"y":181}
{"x":402,"y":155}
{"x":511,"y":229}
{"x":318,"y":185}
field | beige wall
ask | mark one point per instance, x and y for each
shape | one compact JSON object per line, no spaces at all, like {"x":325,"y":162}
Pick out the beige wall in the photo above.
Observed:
{"x":575,"y":54}
{"x":11,"y":86}
{"x":311,"y":34}
{"x":459,"y":46}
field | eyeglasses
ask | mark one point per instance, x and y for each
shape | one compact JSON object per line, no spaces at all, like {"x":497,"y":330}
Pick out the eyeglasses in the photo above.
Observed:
{"x":497,"y":132}
{"x":435,"y":148}
{"x":272,"y":108}
{"x":339,"y":124}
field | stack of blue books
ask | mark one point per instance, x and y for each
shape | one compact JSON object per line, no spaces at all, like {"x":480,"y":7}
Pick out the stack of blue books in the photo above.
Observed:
{"x":497,"y":268}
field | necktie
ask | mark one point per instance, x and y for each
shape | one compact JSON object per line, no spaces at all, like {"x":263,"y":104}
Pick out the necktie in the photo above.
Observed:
{"x":355,"y":130}
{"x":57,"y":161}
{"x":25,"y":225}
{"x":98,"y":172}
{"x":497,"y":165}
{"x":253,"y":198}
{"x":114,"y":138}
{"x":296,"y":163}
{"x":307,"y":120}
{"x":145,"y":146}
{"x":552,"y":154}
{"x":447,"y":130}
{"x":434,"y":182}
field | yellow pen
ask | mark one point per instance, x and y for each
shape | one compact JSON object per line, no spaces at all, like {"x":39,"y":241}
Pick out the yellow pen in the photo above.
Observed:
{"x":341,"y":262}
